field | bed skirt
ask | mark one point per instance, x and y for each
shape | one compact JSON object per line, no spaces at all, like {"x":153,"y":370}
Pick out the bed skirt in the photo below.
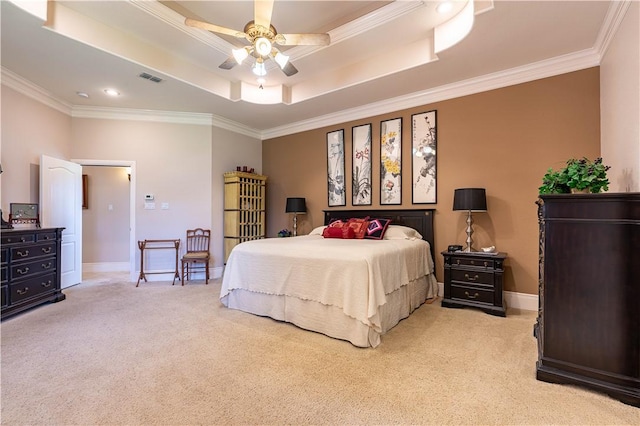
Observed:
{"x":331,"y":320}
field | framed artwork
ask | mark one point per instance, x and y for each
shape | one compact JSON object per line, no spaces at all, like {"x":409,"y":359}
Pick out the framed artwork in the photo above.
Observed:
{"x":423,"y":157}
{"x":391,"y":161}
{"x":24,"y":214}
{"x":361,"y":171}
{"x":85,"y":191}
{"x":335,"y":169}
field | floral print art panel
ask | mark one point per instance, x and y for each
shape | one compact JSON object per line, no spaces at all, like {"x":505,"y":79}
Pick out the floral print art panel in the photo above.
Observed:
{"x":335,"y":169}
{"x":391,"y":161}
{"x":423,"y":157}
{"x":361,"y":172}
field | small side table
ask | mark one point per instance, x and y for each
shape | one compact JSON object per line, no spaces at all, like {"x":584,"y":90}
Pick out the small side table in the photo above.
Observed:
{"x":158,"y":245}
{"x":475,"y":280}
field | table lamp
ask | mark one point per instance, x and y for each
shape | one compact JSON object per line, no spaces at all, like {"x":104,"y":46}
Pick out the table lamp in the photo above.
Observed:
{"x":471,"y":200}
{"x":296,"y":206}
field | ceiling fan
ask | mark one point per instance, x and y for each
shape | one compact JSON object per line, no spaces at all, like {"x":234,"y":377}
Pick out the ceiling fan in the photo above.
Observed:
{"x":262,"y":36}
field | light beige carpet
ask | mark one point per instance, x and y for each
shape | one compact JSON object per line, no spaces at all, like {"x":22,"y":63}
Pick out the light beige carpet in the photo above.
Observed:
{"x":112,"y":353}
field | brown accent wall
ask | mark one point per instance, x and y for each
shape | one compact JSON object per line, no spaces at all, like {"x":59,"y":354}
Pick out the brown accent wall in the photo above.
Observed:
{"x":502,"y":140}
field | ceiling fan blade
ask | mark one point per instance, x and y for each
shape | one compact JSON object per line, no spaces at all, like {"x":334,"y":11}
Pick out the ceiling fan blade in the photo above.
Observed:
{"x":213,"y":28}
{"x":229,"y":63}
{"x":304,"y":39}
{"x":262,"y":12}
{"x":289,"y":69}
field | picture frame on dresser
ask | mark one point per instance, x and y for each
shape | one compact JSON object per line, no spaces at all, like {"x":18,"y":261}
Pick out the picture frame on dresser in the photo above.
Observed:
{"x":24,"y":215}
{"x":423,"y":157}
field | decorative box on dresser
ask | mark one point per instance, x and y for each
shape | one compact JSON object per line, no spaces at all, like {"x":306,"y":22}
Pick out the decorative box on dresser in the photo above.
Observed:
{"x":30,"y":268}
{"x":474,"y":279}
{"x":244,"y":209}
{"x":588,"y":326}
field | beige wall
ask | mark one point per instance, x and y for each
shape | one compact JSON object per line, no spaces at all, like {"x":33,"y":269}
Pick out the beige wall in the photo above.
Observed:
{"x":172,"y":162}
{"x":105,"y":221}
{"x":620,"y":103}
{"x":29,"y":130}
{"x":502,"y":140}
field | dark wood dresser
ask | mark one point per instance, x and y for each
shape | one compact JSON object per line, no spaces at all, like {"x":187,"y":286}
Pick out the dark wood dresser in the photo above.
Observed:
{"x":30,"y":268}
{"x":588,"y":326}
{"x":475,"y":280}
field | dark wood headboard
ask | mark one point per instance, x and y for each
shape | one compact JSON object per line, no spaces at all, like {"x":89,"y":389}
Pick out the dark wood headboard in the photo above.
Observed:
{"x":420,"y":220}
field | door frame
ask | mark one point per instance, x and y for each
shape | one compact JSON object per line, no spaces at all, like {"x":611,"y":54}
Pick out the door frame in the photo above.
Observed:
{"x":132,"y":205}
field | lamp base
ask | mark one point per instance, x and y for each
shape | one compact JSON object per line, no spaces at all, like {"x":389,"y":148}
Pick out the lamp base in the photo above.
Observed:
{"x":469,"y":248}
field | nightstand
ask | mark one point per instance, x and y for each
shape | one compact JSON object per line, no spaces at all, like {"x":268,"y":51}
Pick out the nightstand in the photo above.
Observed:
{"x":475,"y":280}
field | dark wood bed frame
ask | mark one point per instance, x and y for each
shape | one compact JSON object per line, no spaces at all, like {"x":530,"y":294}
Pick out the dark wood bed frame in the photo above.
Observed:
{"x":420,"y":220}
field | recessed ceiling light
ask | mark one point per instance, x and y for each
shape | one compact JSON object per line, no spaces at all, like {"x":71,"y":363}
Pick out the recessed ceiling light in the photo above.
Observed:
{"x":444,"y":7}
{"x":112,"y":92}
{"x":83,"y":95}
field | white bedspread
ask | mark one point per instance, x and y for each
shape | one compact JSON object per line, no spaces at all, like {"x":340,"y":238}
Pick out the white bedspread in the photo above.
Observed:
{"x":353,"y":275}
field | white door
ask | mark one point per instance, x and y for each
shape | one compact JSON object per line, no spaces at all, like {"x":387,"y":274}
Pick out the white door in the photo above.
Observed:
{"x":61,"y":206}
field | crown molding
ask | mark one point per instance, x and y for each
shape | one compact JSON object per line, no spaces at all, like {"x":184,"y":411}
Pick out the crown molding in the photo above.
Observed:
{"x":29,"y":89}
{"x":615,"y":15}
{"x":535,"y":71}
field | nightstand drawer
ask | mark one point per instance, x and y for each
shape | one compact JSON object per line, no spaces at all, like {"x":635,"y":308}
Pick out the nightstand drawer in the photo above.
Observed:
{"x":472,"y":294}
{"x":472,"y":276}
{"x":476,"y":263}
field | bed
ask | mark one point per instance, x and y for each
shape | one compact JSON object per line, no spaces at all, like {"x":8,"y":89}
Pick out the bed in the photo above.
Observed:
{"x":349,"y":289}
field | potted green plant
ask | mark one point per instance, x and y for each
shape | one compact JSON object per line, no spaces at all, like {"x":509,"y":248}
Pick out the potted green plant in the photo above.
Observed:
{"x":580,"y":175}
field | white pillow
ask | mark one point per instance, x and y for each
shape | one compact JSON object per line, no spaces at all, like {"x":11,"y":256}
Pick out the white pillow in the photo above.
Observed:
{"x":399,"y":232}
{"x":317,"y":231}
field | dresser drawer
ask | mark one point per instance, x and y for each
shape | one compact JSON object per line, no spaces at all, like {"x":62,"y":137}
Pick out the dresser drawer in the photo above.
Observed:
{"x":28,"y":269}
{"x":18,"y":238}
{"x":32,"y":287}
{"x":46,"y":236}
{"x":35,"y":250}
{"x":4,"y":255}
{"x":4,"y":274}
{"x":472,"y":276}
{"x":477,"y":263}
{"x":472,"y":294}
{"x":4,"y":295}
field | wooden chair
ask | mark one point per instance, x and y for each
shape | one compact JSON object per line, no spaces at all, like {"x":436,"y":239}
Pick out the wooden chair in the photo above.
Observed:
{"x":197,"y":252}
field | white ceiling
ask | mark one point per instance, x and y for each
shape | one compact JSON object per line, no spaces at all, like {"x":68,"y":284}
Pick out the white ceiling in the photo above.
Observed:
{"x":380,"y":58}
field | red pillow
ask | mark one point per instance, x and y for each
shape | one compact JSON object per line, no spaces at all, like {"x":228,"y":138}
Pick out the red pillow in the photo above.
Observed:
{"x":359,"y":226}
{"x":345,"y":232}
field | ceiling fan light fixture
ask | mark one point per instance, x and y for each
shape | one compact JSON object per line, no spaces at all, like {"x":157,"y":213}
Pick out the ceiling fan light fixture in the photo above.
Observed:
{"x":259,"y":69}
{"x":281,"y":59}
{"x":240,"y":54}
{"x":263,"y":46}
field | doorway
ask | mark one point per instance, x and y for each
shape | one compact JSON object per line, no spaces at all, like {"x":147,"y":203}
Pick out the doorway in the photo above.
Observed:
{"x":108,"y":209}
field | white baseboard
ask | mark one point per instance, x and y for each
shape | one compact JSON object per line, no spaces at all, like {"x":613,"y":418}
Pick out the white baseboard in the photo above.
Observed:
{"x":106,"y":267}
{"x":124,"y":267}
{"x":525,"y":301}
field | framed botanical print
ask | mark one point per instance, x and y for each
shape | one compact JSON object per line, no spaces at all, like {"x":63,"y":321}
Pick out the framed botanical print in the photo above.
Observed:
{"x":335,"y":169}
{"x":391,"y":161}
{"x":361,"y":171}
{"x":423,"y":157}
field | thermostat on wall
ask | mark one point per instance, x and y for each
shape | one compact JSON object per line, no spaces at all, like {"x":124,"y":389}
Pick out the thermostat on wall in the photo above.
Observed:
{"x":148,"y":197}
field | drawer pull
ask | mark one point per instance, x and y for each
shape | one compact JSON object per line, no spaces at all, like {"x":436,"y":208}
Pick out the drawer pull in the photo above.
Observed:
{"x":23,"y":253}
{"x":46,"y":250}
{"x":25,"y":291}
{"x":47,"y":284}
{"x":46,"y":265}
{"x":476,"y":295}
{"x":486,"y":264}
{"x":475,"y":277}
{"x":473,"y":262}
{"x":23,"y":271}
{"x":458,"y":261}
{"x":23,"y":240}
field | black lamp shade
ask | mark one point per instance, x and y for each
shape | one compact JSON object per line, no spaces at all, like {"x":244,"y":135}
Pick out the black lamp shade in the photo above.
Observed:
{"x":296,"y":205}
{"x":471,"y":199}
